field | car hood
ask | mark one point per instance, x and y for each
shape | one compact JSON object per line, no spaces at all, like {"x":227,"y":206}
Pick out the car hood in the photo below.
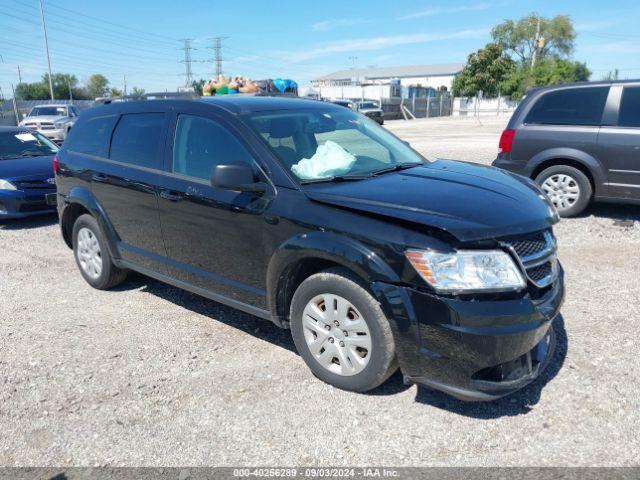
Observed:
{"x":33,"y":168}
{"x":469,"y":201}
{"x":43,"y":118}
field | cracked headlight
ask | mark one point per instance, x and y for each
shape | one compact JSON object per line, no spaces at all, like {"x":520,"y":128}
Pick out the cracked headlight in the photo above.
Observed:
{"x":467,"y":271}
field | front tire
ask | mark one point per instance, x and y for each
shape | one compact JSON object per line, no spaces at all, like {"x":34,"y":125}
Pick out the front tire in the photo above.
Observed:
{"x":567,"y":187}
{"x":92,"y":256}
{"x":341,"y":332}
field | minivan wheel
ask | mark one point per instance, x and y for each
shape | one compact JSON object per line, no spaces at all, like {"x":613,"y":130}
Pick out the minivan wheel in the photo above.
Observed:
{"x":341,"y":332}
{"x":567,"y":187}
{"x":92,"y":256}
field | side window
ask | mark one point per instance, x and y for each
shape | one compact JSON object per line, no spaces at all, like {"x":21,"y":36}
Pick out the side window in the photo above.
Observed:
{"x":576,"y":106}
{"x":630,"y":108}
{"x":200,"y":144}
{"x":138,"y":140}
{"x":92,"y":136}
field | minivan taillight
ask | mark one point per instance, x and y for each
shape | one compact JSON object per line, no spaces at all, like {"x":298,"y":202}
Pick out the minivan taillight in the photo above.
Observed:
{"x":56,"y":164}
{"x":506,"y":140}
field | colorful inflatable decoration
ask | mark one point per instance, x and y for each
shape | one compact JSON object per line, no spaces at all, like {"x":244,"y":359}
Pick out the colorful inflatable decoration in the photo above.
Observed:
{"x":225,"y":86}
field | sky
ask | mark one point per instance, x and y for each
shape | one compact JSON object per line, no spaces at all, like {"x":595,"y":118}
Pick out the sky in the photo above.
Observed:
{"x":142,"y":39}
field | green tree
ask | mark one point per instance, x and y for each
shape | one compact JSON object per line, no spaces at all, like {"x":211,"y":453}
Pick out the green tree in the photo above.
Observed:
{"x":548,"y":71}
{"x":485,"y":70}
{"x":97,"y":85}
{"x":612,"y":75}
{"x":115,"y":92}
{"x":32,"y":91}
{"x":137,"y":92}
{"x":519,"y":37}
{"x":197,"y":85}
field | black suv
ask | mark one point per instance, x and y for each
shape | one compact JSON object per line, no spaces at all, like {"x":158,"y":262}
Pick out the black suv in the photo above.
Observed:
{"x":579,"y":142}
{"x":314,"y":217}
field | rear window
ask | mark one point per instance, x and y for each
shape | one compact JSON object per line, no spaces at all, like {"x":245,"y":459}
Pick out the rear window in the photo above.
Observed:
{"x":91,"y":137}
{"x":630,"y":108}
{"x":138,"y":139}
{"x":577,"y":106}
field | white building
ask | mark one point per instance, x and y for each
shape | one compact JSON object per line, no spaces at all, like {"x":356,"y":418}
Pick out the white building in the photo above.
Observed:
{"x":386,"y":82}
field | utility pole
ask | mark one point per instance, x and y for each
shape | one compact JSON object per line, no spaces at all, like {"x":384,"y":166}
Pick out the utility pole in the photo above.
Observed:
{"x":124,"y":91}
{"x":536,"y":44}
{"x":217,"y":54}
{"x":19,"y":75}
{"x":187,"y":62}
{"x":46,"y":48}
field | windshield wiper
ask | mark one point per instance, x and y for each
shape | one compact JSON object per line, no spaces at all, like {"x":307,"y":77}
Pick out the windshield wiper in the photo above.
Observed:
{"x":395,"y":168}
{"x":339,"y":178}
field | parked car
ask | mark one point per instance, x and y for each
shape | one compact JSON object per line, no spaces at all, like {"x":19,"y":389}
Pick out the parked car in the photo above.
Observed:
{"x":580,"y":142}
{"x":27,"y":184}
{"x":343,"y":103}
{"x":52,"y":121}
{"x":371,"y":110}
{"x":314,"y":217}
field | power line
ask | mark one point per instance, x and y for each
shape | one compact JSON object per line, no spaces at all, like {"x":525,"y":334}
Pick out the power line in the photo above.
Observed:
{"x":102,"y":21}
{"x":129,"y":46}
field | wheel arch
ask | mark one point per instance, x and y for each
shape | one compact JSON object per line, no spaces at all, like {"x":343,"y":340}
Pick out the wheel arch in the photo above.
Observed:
{"x":79,"y":201}
{"x":582,"y":161}
{"x":310,"y":253}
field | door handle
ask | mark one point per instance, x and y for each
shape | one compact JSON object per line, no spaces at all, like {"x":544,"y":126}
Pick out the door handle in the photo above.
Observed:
{"x":99,"y":177}
{"x":172,"y":197}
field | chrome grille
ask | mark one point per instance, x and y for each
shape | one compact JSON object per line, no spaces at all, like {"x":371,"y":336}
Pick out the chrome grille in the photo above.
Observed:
{"x":34,"y":185}
{"x":530,"y":244}
{"x":537,"y":255}
{"x":540,"y":272}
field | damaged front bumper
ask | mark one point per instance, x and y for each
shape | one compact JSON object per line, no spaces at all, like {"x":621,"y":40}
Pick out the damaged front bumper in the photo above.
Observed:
{"x":473,"y":349}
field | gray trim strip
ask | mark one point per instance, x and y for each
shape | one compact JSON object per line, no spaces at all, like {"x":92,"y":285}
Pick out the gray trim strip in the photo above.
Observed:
{"x":258,"y":312}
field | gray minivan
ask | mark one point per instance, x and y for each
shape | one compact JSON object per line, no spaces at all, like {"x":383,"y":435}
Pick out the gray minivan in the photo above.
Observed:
{"x":579,"y":142}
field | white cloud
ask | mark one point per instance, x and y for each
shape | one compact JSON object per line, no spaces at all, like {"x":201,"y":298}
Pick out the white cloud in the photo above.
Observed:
{"x":594,"y":26}
{"x":325,"y":25}
{"x":378,"y":43}
{"x":430,"y":12}
{"x":622,"y":47}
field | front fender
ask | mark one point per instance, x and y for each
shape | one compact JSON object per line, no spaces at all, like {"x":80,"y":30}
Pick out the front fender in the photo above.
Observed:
{"x":82,"y":196}
{"x":320,"y":245}
{"x":598,"y":171}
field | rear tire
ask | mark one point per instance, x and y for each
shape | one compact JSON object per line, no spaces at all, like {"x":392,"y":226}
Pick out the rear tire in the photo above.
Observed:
{"x":92,"y":255}
{"x":360,"y":359}
{"x":568,"y":188}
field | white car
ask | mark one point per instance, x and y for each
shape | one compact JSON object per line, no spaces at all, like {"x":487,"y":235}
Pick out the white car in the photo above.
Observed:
{"x":52,"y":121}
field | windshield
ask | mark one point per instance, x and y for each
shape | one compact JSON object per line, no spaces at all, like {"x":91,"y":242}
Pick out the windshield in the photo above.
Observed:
{"x":367,"y":105}
{"x":331,"y":144}
{"x":25,"y":144}
{"x":55,"y":111}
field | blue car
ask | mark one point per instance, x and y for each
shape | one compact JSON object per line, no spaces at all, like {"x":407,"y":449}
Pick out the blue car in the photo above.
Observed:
{"x":27,"y":184}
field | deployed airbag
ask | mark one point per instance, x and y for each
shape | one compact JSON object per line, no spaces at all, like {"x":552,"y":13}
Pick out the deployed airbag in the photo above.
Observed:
{"x":329,"y":160}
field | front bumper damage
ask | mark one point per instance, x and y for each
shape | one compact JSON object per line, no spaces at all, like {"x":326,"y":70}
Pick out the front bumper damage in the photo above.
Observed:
{"x":472,"y":349}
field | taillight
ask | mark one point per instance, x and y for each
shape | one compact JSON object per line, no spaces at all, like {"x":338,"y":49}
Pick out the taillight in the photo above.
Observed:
{"x":506,"y":141}
{"x":56,"y":164}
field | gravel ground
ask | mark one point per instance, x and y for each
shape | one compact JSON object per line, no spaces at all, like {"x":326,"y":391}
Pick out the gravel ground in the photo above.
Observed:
{"x":151,"y":375}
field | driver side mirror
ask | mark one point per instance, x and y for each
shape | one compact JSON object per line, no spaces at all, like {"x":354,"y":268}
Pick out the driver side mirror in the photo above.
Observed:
{"x":238,"y":177}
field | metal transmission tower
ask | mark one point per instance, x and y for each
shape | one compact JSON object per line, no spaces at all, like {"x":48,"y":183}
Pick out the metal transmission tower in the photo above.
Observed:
{"x":217,"y":51}
{"x":187,"y":62}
